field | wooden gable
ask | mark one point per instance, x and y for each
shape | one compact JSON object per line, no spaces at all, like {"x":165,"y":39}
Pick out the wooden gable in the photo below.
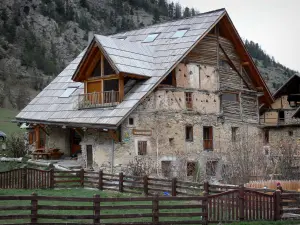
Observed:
{"x":94,"y":64}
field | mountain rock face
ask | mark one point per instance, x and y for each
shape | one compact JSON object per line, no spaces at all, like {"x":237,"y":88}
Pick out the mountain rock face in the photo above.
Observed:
{"x":38,"y":38}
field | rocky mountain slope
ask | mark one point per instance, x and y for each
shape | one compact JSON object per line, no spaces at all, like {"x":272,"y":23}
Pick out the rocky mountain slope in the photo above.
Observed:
{"x":39,"y":37}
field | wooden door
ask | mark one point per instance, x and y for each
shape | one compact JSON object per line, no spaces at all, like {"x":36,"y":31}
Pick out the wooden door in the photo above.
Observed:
{"x":94,"y":89}
{"x":75,"y":140}
{"x":89,"y":155}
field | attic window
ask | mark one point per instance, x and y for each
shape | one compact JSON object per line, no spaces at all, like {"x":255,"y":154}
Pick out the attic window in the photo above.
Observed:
{"x":179,"y":33}
{"x":68,"y":92}
{"x":151,"y":37}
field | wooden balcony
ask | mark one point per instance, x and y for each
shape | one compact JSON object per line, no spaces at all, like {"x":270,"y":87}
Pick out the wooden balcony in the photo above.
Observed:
{"x":98,"y":99}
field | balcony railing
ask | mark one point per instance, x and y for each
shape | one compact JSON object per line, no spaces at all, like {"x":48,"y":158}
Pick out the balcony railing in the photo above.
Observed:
{"x":273,"y":121}
{"x":98,"y":99}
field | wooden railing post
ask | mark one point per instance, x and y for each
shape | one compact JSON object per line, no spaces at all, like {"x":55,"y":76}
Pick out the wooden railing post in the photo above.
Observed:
{"x":34,"y":208}
{"x":241,"y":202}
{"x":121,"y":182}
{"x":96,"y":209}
{"x":205,"y":208}
{"x":81,"y":175}
{"x":155,"y":210}
{"x":24,"y":178}
{"x":174,"y":184}
{"x":100,"y":181}
{"x":206,"y":187}
{"x":277,"y":205}
{"x":52,"y":178}
{"x":145,"y":180}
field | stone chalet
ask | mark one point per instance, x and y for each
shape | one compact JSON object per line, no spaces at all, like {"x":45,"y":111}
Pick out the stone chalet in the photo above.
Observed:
{"x":177,"y":93}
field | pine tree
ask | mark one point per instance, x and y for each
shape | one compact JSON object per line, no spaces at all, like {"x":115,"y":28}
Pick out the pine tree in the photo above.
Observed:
{"x":186,"y":12}
{"x":171,"y":10}
{"x":193,"y":12}
{"x":177,"y":11}
{"x":156,"y":16}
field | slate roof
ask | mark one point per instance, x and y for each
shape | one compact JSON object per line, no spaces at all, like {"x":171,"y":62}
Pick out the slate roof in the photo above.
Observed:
{"x":154,"y":60}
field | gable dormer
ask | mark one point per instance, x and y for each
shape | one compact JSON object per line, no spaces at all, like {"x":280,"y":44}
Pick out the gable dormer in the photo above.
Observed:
{"x":103,"y":84}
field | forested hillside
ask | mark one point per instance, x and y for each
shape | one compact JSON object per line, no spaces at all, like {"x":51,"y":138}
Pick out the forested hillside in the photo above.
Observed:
{"x":39,"y":37}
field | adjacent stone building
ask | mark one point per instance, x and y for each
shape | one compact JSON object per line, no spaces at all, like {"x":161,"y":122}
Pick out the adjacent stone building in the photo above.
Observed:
{"x":175,"y":96}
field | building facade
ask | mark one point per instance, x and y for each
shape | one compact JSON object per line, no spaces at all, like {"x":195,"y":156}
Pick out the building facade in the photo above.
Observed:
{"x":175,"y":97}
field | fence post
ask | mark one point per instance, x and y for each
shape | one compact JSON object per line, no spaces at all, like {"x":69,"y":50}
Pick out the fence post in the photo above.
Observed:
{"x":205,"y":208}
{"x":81,"y":175}
{"x":206,"y":187}
{"x":51,"y":178}
{"x":241,"y":202}
{"x":145,"y":179}
{"x":100,"y":181}
{"x":174,"y":184}
{"x":34,"y":208}
{"x":121,"y":181}
{"x":24,"y":178}
{"x":277,"y":205}
{"x":96,"y":209}
{"x":155,"y":217}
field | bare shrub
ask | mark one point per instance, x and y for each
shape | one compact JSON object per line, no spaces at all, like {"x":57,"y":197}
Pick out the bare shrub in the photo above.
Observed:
{"x":140,"y":166}
{"x":16,"y":145}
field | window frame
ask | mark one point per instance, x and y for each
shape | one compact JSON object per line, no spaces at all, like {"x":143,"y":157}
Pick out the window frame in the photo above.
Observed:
{"x":230,"y":93}
{"x":189,"y":133}
{"x":188,"y":100}
{"x":148,"y":38}
{"x":142,"y":144}
{"x":68,"y":92}
{"x":191,"y":172}
{"x":180,"y":33}
{"x":129,"y":121}
{"x":267,"y":136}
{"x":234,"y":134}
{"x":210,"y":140}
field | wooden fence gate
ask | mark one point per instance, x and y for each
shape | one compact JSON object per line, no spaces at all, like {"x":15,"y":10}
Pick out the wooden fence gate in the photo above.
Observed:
{"x":25,"y":178}
{"x":242,"y":204}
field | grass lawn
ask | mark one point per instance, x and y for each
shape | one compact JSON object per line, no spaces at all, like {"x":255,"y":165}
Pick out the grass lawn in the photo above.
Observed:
{"x":285,"y":222}
{"x":89,"y":193}
{"x":6,"y":116}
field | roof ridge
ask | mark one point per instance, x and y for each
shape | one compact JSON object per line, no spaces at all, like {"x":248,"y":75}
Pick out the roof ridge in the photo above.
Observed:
{"x":168,"y":21}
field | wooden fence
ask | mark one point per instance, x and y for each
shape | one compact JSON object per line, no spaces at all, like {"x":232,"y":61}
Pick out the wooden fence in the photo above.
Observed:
{"x":230,"y":206}
{"x":290,"y":185}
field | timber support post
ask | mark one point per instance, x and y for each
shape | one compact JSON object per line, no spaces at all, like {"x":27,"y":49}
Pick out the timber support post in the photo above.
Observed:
{"x":174,"y":184}
{"x":241,"y":202}
{"x":81,"y":175}
{"x":155,"y":210}
{"x":96,"y":209}
{"x":145,"y":182}
{"x":100,"y":181}
{"x":52,"y":181}
{"x":277,"y":205}
{"x":205,"y":208}
{"x":121,"y":182}
{"x":24,"y":178}
{"x":206,"y":187}
{"x":34,"y":208}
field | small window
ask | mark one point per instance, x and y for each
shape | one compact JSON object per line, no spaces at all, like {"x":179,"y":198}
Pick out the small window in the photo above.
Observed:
{"x":179,"y":33}
{"x":190,"y":168}
{"x":31,"y":137}
{"x":208,"y":138}
{"x":234,"y":133}
{"x":151,"y":37}
{"x":142,"y":147}
{"x":166,"y":168}
{"x":281,"y":117}
{"x":188,"y":100}
{"x":266,"y":136}
{"x":233,"y":97}
{"x":291,"y":133}
{"x":211,"y":167}
{"x":131,"y":121}
{"x":68,"y":92}
{"x":189,"y":133}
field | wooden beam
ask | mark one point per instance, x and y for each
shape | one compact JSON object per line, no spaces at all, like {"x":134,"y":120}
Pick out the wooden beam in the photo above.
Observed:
{"x":102,"y":65}
{"x":37,"y":137}
{"x":92,"y":65}
{"x":121,"y":88}
{"x":232,"y":64}
{"x":245,"y":63}
{"x":44,"y":130}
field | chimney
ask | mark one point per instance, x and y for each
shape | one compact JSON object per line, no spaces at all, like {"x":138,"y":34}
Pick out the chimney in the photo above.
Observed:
{"x":90,"y":37}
